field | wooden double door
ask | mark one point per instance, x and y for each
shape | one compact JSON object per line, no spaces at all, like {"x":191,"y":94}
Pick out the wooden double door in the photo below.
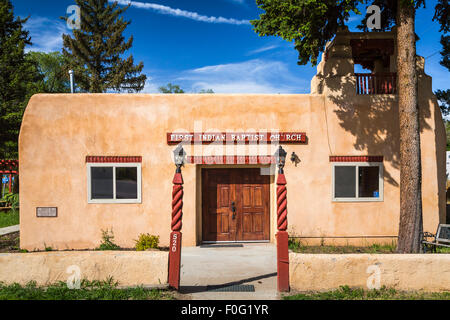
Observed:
{"x":235,"y":205}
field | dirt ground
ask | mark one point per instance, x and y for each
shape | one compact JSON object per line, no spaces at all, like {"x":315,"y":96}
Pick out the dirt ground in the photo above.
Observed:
{"x":10,"y":243}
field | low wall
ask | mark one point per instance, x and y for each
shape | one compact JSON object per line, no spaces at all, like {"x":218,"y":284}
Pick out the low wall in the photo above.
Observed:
{"x":129,"y":268}
{"x":322,"y":272}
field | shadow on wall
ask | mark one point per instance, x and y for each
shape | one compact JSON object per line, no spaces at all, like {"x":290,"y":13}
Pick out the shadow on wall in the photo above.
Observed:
{"x":372,"y":119}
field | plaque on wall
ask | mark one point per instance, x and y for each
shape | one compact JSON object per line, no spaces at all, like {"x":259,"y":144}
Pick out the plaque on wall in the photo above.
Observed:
{"x":46,"y":212}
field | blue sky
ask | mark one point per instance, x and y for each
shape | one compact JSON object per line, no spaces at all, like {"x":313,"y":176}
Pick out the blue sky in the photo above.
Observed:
{"x":203,"y":44}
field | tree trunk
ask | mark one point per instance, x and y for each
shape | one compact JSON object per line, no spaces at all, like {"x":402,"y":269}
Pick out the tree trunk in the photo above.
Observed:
{"x":410,"y":227}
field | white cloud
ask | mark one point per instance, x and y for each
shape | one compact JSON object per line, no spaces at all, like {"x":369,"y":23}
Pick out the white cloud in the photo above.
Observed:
{"x":252,"y":76}
{"x":46,"y":34}
{"x":181,"y":13}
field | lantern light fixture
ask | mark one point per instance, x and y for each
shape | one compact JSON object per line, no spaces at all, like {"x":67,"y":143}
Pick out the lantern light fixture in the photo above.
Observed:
{"x":280,"y":156}
{"x":179,"y":157}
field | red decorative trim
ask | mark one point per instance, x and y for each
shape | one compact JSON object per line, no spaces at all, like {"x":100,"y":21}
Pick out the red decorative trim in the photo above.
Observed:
{"x":230,"y":159}
{"x":356,"y":158}
{"x":110,"y":159}
{"x":9,"y":166}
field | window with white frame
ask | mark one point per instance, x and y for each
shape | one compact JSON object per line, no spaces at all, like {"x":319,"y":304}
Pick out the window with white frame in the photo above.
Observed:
{"x":358,"y":181}
{"x":114,"y":182}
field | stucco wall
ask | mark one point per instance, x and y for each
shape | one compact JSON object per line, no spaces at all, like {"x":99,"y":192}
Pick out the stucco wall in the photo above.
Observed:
{"x":148,"y":268}
{"x":59,"y":131}
{"x":405,"y":272}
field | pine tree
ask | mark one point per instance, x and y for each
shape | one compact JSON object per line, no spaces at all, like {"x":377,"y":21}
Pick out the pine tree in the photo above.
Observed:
{"x":17,"y":78}
{"x":95,"y":50}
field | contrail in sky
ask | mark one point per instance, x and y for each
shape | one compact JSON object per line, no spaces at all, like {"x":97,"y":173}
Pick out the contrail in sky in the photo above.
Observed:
{"x":181,"y":13}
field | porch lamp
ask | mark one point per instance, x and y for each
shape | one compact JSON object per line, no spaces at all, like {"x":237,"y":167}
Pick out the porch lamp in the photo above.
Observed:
{"x":280,"y":157}
{"x":179,"y":157}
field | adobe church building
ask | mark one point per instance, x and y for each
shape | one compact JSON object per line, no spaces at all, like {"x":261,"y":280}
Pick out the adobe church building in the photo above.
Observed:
{"x":91,"y":162}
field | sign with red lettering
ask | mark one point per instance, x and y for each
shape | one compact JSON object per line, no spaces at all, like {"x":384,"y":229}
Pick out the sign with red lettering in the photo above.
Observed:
{"x":235,"y":137}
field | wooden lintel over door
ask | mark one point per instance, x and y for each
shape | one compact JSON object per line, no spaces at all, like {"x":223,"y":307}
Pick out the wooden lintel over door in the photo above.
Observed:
{"x":235,"y":204}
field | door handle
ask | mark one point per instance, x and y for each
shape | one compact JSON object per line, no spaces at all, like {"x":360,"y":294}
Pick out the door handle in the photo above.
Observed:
{"x":233,"y":209}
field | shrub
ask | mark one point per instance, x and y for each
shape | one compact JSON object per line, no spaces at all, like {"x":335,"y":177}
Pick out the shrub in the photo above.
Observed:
{"x":12,"y":200}
{"x":147,"y":241}
{"x":107,"y":241}
{"x":294,"y":244}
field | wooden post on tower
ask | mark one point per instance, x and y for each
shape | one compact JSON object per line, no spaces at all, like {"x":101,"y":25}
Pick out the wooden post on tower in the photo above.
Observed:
{"x":177,"y":214}
{"x":282,"y":235}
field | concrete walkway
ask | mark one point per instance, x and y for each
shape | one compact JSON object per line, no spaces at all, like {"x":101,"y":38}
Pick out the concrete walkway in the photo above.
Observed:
{"x":252,"y":264}
{"x":8,"y":230}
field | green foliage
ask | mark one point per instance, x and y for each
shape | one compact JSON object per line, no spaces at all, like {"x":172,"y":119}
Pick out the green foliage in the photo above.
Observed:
{"x":447,"y":130}
{"x":443,"y":97}
{"x":297,"y":246}
{"x":445,"y":41}
{"x":206,"y":91}
{"x":294,"y":244}
{"x":95,"y":51}
{"x":442,"y":250}
{"x":388,"y":12}
{"x":174,"y":88}
{"x":347,"y":293}
{"x":388,"y":15}
{"x":309,"y":24}
{"x":108,"y":241}
{"x":147,"y":241}
{"x":12,"y":200}
{"x":441,"y":14}
{"x":18,"y":78}
{"x":9,"y":218}
{"x":171,"y":88}
{"x":52,"y":68}
{"x":89,"y":290}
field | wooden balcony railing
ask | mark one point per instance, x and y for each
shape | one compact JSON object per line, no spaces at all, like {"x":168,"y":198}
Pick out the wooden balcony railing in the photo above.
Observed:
{"x":376,"y":83}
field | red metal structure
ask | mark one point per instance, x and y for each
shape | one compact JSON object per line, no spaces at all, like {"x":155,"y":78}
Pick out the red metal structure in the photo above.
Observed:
{"x":9,"y":167}
{"x":376,"y":83}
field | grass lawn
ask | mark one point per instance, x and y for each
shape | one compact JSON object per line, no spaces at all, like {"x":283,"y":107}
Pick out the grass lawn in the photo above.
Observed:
{"x":347,"y":293}
{"x":442,"y":250}
{"x":9,"y":218}
{"x":89,"y":290}
{"x":297,"y":246}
